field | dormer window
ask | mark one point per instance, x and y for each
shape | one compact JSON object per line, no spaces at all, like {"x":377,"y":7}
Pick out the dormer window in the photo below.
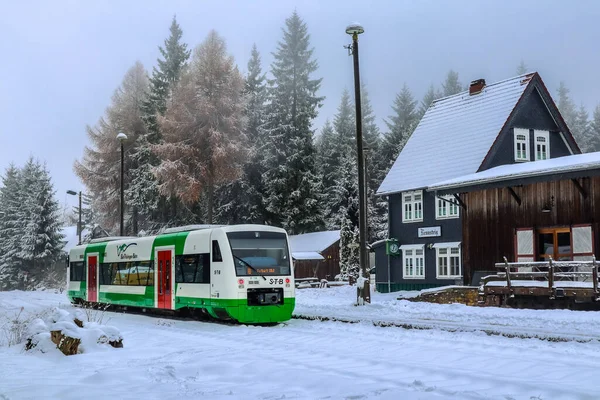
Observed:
{"x":542,"y":145}
{"x":521,"y":144}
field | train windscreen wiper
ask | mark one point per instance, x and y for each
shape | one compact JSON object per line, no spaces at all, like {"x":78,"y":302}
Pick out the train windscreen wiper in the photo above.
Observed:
{"x":248,"y":264}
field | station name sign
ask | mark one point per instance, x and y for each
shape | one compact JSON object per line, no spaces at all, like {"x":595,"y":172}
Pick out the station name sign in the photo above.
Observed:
{"x":432,"y":231}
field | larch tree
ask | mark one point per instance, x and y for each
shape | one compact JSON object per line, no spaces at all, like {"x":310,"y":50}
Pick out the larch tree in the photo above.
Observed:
{"x":240,"y":201}
{"x":203,"y":128}
{"x":292,"y":187}
{"x":144,"y":185}
{"x":100,"y":167}
{"x":401,"y":125}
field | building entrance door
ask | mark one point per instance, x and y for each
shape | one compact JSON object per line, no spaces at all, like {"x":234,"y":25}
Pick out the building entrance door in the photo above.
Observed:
{"x":555,"y":243}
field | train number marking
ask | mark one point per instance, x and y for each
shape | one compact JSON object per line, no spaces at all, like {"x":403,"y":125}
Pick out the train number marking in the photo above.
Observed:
{"x":217,"y":272}
{"x":274,"y":281}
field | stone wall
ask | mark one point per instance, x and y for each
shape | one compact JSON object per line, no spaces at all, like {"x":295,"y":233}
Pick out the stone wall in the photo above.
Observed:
{"x":463,"y":295}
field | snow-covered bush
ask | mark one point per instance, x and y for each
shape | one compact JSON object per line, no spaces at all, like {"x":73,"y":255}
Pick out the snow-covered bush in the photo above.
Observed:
{"x":72,"y":333}
{"x":14,"y":328}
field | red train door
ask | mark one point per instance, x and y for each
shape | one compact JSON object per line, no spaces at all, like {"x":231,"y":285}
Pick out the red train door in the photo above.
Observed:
{"x":91,"y":278}
{"x":164,"y":279}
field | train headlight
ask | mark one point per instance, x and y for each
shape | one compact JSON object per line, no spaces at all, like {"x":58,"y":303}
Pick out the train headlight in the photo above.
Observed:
{"x":240,"y":281}
{"x":287,"y":280}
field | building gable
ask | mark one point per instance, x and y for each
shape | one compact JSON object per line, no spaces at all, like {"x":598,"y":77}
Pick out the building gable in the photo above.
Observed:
{"x":454,"y":136}
{"x":535,"y":111}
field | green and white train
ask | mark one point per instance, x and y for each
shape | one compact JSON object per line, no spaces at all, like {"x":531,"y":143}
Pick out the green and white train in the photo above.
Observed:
{"x":237,"y":272}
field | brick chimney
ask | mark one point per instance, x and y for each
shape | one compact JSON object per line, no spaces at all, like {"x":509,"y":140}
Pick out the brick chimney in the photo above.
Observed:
{"x":476,"y":86}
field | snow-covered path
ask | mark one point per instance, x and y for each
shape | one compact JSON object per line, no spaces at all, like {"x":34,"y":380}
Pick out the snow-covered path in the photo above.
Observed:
{"x":173,"y":359}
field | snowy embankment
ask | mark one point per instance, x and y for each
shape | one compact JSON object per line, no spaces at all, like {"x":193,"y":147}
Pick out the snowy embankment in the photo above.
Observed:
{"x":385,"y":309}
{"x":175,"y":359}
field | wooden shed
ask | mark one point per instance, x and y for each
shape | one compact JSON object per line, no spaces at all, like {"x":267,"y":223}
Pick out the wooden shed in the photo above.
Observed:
{"x":316,"y":254}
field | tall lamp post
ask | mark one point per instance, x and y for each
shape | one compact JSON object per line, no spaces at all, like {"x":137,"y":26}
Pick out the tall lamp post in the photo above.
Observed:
{"x":122,"y":137}
{"x":73,"y":193}
{"x":364,"y":292}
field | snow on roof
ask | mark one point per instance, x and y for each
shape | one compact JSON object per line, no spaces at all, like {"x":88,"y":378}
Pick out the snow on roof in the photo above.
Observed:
{"x":573,"y":163}
{"x":307,"y":255}
{"x":315,"y":241}
{"x":454,"y":136}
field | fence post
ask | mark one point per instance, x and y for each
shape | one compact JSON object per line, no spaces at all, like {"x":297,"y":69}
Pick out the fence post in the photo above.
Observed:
{"x":595,"y":275}
{"x":507,"y":268}
{"x":550,"y":274}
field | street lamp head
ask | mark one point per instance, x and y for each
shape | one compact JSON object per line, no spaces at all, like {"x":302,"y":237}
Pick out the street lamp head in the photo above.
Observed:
{"x":121,"y":136}
{"x":72,"y":193}
{"x":354,"y":28}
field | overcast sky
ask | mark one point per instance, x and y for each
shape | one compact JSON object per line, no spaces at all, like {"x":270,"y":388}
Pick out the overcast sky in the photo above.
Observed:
{"x":62,"y":60}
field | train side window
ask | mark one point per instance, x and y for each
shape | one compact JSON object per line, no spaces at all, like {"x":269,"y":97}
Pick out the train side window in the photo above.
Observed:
{"x":192,"y":268}
{"x":216,"y":252}
{"x":76,"y":272}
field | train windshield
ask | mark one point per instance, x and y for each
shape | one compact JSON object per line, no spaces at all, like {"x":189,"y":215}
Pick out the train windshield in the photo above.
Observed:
{"x":260,"y":253}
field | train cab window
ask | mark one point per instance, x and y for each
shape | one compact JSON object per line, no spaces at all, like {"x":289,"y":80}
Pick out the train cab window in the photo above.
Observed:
{"x":77,"y":273}
{"x":216,"y":252}
{"x":193,"y":268}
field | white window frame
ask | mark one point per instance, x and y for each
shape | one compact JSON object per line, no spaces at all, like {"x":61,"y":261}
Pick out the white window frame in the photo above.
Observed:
{"x":412,"y":210}
{"x":413,"y":264}
{"x":445,"y":209}
{"x":544,"y":143}
{"x":518,"y":132}
{"x":448,"y":252}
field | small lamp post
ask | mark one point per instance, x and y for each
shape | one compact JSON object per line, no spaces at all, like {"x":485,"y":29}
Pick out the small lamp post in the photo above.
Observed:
{"x":122,"y":137}
{"x":364,"y":292}
{"x":73,"y":193}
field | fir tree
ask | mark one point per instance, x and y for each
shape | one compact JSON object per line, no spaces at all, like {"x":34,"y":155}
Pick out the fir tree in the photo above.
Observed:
{"x":429,"y":97}
{"x":349,"y":251}
{"x":11,"y":227}
{"x":566,"y":106}
{"x":522,"y":68}
{"x":41,"y":243}
{"x":30,"y":239}
{"x":327,"y":158}
{"x":594,"y":142}
{"x":400,"y":126}
{"x":204,"y":143}
{"x":582,"y":130}
{"x":292,"y":186}
{"x":376,"y":170}
{"x":165,"y":76}
{"x":343,"y":174}
{"x":451,"y":86}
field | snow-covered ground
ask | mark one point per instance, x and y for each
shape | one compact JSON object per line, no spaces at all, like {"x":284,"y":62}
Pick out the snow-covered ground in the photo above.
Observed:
{"x":175,"y":359}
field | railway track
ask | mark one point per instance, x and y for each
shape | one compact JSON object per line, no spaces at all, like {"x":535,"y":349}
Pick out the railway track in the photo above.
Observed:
{"x":454,"y":326}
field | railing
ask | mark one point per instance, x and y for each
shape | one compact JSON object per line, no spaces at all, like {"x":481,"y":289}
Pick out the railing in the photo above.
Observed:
{"x":550,"y":271}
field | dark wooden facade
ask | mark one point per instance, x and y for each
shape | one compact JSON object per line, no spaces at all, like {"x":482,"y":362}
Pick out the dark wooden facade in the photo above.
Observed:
{"x":493,"y":215}
{"x":322,"y":269}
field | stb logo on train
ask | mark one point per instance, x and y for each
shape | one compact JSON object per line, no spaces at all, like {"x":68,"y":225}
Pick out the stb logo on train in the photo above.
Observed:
{"x":123,"y":248}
